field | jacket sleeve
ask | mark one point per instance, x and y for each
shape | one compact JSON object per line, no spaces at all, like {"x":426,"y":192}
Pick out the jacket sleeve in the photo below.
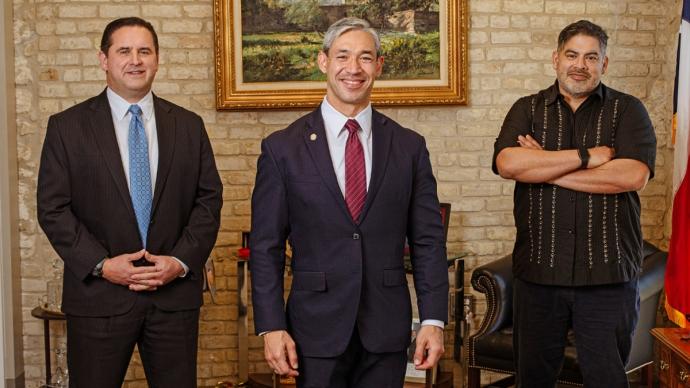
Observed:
{"x":427,"y":243}
{"x":269,"y":232}
{"x":69,"y":237}
{"x":199,"y":235}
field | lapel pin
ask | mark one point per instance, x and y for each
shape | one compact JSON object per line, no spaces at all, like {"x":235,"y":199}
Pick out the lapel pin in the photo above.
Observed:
{"x":312,"y":137}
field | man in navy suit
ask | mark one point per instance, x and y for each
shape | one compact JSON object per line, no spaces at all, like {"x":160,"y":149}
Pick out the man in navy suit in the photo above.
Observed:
{"x":346,"y":185}
{"x":129,"y":196}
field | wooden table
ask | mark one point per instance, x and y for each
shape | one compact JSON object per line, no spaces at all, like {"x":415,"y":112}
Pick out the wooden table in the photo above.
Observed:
{"x":674,"y":356}
{"x":47,"y":316}
{"x":265,"y":380}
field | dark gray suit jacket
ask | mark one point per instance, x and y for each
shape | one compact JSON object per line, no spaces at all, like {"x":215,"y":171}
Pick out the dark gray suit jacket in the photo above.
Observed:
{"x":345,"y":273}
{"x":85,"y":208}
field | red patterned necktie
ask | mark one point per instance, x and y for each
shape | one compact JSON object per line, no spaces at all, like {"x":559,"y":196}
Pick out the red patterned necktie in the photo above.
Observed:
{"x":355,"y":173}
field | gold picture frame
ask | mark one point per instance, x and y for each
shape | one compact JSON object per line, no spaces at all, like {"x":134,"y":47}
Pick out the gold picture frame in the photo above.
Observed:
{"x":232,"y":93}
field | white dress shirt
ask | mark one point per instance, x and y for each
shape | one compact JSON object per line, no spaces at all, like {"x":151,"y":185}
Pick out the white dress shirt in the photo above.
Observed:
{"x":119,"y":108}
{"x":336,"y":135}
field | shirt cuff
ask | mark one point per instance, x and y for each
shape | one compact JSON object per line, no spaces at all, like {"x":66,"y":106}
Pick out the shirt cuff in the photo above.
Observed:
{"x":433,"y":322}
{"x":184,"y":266}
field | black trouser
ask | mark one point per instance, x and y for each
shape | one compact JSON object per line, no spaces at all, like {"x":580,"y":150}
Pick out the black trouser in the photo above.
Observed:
{"x":99,"y":348}
{"x":356,"y":368}
{"x":603,"y":319}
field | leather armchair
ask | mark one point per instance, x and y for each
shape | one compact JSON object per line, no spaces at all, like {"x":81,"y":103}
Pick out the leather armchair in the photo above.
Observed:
{"x":491,"y":346}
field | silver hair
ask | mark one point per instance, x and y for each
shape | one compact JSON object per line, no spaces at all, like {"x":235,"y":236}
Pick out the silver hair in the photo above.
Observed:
{"x":347,"y":24}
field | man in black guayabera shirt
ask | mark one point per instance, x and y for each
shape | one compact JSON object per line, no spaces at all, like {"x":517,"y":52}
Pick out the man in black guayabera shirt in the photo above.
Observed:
{"x":578,"y":152}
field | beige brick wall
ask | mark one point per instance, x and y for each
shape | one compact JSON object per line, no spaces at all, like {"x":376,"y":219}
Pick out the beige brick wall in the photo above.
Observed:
{"x":510,"y":42}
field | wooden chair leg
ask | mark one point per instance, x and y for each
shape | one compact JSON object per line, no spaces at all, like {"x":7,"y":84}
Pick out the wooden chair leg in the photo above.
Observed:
{"x":473,"y":377}
{"x":647,"y":376}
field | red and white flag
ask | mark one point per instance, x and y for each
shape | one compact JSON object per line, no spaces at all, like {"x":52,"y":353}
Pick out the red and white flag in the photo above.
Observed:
{"x":678,"y":266}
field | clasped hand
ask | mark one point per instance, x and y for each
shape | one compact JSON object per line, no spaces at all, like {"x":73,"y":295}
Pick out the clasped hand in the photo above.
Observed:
{"x":121,"y":270}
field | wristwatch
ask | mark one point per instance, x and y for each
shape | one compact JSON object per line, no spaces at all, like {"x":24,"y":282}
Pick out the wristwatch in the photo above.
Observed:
{"x":583,"y":153}
{"x":98,"y":269}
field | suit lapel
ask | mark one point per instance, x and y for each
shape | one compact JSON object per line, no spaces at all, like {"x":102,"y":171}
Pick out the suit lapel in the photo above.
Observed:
{"x":381,"y":144}
{"x":104,"y":133}
{"x":315,"y":141}
{"x":165,"y":127}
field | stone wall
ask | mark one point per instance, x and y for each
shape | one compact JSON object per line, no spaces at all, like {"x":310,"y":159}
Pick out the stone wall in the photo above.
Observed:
{"x":510,"y":44}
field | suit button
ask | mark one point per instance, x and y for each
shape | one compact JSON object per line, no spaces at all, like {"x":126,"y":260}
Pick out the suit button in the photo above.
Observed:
{"x":151,"y":222}
{"x":355,"y":236}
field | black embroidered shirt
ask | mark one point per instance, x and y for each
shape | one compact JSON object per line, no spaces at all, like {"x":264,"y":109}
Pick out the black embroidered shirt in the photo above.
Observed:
{"x":572,"y":238}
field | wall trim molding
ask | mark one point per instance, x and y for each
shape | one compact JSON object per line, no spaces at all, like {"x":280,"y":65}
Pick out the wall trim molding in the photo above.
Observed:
{"x":11,"y":341}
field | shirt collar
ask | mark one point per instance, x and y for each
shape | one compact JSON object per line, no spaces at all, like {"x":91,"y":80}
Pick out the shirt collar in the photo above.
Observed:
{"x":553,"y":93}
{"x":119,"y":106}
{"x":336,"y":120}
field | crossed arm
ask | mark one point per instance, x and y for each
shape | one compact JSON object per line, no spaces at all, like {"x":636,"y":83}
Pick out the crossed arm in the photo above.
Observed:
{"x":530,"y":163}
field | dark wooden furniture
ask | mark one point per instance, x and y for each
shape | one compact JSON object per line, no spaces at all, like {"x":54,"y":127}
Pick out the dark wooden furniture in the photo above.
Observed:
{"x":674,"y":356}
{"x":46,"y":316}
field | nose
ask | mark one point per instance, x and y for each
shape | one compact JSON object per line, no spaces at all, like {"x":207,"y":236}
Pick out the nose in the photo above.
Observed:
{"x":353,"y":65}
{"x":581,"y":62}
{"x":136,"y":59}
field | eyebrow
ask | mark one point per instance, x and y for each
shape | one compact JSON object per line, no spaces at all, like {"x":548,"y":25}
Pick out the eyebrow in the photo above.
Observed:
{"x":586,"y":53}
{"x":362,"y":52}
{"x":132,"y":48}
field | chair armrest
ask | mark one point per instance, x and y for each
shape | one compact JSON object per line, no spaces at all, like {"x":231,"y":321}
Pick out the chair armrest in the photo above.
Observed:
{"x":653,"y":270}
{"x":495,"y":281}
{"x":648,"y":248}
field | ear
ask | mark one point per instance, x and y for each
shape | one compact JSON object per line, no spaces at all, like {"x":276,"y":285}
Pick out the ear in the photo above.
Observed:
{"x":323,"y":61}
{"x":103,"y":59}
{"x":379,"y":65}
{"x":605,"y":65}
{"x":554,"y":59}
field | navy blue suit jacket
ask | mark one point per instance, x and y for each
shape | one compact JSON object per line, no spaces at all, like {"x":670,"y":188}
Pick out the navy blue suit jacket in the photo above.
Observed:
{"x":345,"y":273}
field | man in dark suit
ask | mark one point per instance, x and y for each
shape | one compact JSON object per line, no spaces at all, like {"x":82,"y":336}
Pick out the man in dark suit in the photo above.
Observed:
{"x":346,"y":186}
{"x":129,"y":196}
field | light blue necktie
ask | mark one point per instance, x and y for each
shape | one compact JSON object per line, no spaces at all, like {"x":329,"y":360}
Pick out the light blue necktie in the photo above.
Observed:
{"x":139,"y":172}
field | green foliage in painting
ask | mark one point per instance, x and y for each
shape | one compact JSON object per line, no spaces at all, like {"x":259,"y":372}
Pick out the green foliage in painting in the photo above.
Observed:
{"x":307,"y":14}
{"x":280,"y":57}
{"x":410,"y":56}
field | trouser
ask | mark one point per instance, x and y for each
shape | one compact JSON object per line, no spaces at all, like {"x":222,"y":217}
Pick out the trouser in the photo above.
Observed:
{"x":355,"y":368}
{"x":99,"y":348}
{"x":603,"y":319}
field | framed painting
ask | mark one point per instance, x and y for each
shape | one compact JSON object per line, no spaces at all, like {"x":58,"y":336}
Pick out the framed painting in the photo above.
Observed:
{"x":265,"y":51}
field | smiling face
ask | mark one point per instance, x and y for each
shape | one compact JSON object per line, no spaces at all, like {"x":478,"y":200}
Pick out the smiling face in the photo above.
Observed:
{"x":131,"y":62}
{"x":579,"y":65}
{"x":351,"y":66}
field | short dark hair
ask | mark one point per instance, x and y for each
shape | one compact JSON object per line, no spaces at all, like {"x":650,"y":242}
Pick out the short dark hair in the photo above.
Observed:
{"x":107,"y":41}
{"x":583,"y":27}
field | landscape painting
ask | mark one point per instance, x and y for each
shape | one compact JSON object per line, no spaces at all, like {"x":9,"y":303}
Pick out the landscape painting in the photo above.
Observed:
{"x":266,"y":50}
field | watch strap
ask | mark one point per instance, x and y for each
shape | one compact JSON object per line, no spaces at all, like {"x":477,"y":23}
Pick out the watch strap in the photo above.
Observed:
{"x":98,"y":269}
{"x":583,"y":153}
